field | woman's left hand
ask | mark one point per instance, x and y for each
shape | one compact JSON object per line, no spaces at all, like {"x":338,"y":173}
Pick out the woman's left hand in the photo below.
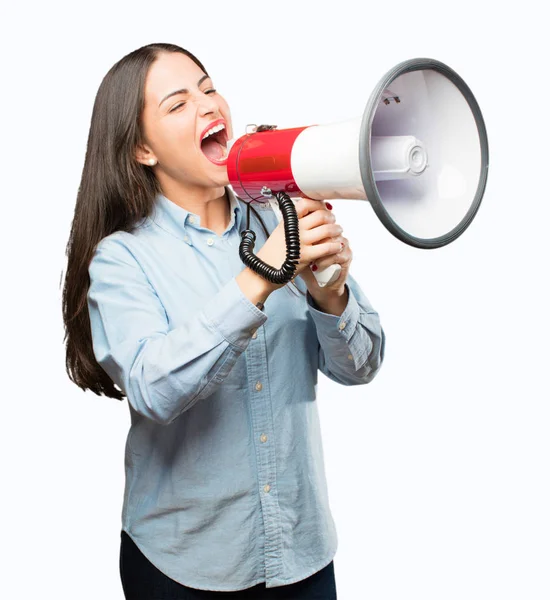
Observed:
{"x":343,"y":258}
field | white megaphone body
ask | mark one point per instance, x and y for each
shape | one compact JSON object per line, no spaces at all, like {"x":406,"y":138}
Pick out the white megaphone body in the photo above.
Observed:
{"x":419,"y":154}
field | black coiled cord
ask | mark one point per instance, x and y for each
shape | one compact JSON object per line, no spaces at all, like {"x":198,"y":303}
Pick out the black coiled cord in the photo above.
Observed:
{"x":292,"y":238}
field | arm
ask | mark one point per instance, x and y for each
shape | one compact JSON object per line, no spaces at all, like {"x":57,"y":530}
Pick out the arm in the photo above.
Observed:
{"x":162,"y":372}
{"x":355,"y":333}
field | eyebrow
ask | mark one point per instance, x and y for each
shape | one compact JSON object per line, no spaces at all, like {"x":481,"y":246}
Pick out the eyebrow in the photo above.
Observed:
{"x":183,"y":90}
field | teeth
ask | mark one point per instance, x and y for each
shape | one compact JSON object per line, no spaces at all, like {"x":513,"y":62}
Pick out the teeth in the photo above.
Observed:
{"x":214,"y":130}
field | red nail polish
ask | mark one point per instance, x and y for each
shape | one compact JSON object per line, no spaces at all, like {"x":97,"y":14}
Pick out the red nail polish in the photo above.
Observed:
{"x":314,"y":268}
{"x":328,"y":205}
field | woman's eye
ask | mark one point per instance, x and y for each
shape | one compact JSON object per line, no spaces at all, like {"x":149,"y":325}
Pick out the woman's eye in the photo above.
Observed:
{"x":177,"y":105}
{"x":212,"y":91}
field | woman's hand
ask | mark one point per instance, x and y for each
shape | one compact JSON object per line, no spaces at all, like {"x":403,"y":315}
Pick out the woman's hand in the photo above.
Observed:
{"x":342,"y":256}
{"x":332,"y":298}
{"x":318,"y":239}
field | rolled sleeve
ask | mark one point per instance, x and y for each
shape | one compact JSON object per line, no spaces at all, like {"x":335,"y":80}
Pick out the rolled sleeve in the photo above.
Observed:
{"x":235,"y":309}
{"x":351,"y":346}
{"x":162,"y":371}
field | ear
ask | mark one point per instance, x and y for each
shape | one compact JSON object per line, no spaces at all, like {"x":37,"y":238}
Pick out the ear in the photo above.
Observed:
{"x":145,"y":156}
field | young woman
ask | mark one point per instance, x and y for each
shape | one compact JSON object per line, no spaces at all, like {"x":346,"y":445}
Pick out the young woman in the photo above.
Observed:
{"x":225,"y":493}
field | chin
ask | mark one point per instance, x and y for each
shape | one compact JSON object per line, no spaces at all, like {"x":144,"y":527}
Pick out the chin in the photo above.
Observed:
{"x":218,"y":175}
{"x":220,"y":180}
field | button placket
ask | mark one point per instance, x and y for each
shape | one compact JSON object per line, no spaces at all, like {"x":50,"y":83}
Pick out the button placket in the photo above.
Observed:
{"x":262,"y":426}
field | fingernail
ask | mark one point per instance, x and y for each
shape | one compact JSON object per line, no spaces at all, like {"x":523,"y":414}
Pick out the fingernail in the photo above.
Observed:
{"x":328,"y":205}
{"x":314,"y":267}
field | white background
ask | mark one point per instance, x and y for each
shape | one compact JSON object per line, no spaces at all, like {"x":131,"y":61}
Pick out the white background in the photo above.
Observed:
{"x":438,"y":469}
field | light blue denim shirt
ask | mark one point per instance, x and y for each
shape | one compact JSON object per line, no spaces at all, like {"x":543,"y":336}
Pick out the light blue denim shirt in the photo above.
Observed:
{"x":224,"y":472}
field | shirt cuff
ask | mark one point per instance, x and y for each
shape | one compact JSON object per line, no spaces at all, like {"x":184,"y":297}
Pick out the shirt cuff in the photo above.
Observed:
{"x":332,"y":329}
{"x":233,"y":314}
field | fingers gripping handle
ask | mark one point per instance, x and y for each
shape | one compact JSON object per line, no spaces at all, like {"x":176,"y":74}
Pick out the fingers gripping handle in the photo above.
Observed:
{"x":323,"y":277}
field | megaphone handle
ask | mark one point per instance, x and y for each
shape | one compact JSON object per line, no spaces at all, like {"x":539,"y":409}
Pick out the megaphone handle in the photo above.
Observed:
{"x":327,"y":275}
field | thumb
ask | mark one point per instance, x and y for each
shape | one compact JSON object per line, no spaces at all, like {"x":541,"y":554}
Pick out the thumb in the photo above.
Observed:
{"x":302,"y":206}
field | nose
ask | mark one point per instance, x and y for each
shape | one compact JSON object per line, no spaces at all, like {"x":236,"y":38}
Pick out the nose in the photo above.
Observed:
{"x":207,"y":104}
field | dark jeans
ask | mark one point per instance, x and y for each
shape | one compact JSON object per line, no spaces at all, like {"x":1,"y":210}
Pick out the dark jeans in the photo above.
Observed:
{"x":141,"y":580}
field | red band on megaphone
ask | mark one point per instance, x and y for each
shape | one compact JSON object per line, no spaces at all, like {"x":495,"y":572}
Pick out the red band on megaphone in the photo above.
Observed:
{"x":262,"y":159}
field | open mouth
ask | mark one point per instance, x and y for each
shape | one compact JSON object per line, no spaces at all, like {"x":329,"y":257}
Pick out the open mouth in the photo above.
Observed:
{"x":214,"y":143}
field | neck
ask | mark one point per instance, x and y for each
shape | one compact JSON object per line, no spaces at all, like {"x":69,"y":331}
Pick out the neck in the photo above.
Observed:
{"x":210,"y":204}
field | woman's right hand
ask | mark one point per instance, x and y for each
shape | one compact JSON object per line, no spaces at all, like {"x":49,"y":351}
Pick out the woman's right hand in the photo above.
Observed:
{"x":318,"y":238}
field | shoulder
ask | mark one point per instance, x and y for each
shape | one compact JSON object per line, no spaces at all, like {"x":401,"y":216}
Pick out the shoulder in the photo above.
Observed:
{"x":120,"y":247}
{"x":118,"y":241}
{"x":127,"y":239}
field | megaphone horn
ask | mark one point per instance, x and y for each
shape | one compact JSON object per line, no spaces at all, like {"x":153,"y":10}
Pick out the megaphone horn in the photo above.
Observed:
{"x":418,"y":154}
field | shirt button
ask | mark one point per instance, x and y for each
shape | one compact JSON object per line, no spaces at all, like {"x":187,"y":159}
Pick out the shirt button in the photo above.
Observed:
{"x":267,"y":487}
{"x":209,"y":241}
{"x":258,"y":386}
{"x":254,"y":334}
{"x":263,"y":437}
{"x":191,"y":219}
{"x":342,"y":325}
{"x":187,"y":239}
{"x":350,"y":356}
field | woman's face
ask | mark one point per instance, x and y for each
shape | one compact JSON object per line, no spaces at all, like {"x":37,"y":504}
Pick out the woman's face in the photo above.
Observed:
{"x":181,"y":106}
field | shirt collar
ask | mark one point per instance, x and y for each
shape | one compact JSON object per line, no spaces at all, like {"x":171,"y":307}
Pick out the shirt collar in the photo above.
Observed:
{"x":174,"y":218}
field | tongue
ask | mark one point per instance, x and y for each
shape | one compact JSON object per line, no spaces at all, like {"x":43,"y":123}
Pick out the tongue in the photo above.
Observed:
{"x":212,"y":149}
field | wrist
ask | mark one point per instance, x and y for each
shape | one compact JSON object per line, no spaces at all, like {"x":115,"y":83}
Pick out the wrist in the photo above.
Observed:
{"x":331,"y":301}
{"x":254,"y":287}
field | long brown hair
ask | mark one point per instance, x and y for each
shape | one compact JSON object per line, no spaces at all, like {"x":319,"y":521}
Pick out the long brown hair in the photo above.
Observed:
{"x":115,"y":192}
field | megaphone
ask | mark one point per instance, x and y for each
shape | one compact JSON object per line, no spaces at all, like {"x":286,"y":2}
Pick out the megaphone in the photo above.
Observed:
{"x":418,"y":154}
